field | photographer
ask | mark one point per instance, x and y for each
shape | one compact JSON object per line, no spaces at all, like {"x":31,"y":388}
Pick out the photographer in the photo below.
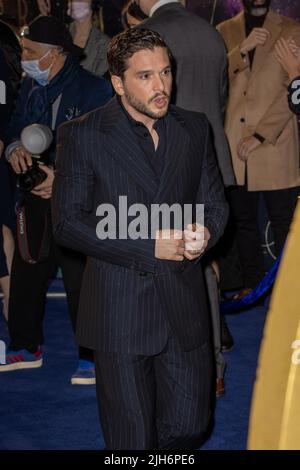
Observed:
{"x":55,"y":90}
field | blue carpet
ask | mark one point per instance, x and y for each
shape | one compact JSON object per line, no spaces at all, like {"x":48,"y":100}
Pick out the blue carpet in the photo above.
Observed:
{"x":40,"y":409}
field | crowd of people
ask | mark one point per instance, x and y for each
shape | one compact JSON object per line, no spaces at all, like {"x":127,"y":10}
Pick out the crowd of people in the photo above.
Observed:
{"x":171,"y":111}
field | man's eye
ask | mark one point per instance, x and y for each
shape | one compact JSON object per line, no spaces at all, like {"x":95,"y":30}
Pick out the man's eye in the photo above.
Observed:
{"x":166,"y":72}
{"x":144,"y":77}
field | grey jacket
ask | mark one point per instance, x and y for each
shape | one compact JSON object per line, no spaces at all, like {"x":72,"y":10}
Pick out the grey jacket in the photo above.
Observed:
{"x":95,"y":60}
{"x":201,"y":71}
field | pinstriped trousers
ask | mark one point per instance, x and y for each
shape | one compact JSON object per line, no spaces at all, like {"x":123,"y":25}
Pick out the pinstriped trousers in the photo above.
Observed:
{"x":155,"y":402}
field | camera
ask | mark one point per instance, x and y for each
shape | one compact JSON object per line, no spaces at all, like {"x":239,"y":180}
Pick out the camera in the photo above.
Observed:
{"x":32,"y":177}
{"x":35,"y":138}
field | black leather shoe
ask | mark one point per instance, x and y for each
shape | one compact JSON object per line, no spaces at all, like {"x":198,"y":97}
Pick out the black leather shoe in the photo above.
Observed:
{"x":226,"y":337}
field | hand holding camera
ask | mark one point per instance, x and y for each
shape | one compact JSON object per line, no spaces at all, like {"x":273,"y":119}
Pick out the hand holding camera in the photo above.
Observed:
{"x":20,"y":160}
{"x":44,"y":190}
{"x":35,"y":175}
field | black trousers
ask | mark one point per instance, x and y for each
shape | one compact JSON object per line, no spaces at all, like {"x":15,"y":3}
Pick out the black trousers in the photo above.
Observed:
{"x":280,"y":206}
{"x":155,"y":402}
{"x":29,"y":283}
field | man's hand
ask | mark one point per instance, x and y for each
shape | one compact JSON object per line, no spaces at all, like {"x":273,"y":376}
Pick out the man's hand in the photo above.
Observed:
{"x":246,"y":146}
{"x":257,"y":37}
{"x":169,"y":245}
{"x":288,"y":55}
{"x":44,"y":190}
{"x":20,"y":160}
{"x":196,"y":238}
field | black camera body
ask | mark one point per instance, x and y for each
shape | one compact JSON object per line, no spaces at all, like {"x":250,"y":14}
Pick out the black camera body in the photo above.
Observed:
{"x":32,"y":177}
{"x":36,"y":139}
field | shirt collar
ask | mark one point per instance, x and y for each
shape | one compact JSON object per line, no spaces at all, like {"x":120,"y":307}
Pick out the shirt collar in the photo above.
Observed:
{"x":159,"y":4}
{"x":158,"y":125}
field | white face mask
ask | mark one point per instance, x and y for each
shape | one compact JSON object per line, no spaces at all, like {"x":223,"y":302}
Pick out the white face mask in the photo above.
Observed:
{"x":32,"y":69}
{"x":79,"y":11}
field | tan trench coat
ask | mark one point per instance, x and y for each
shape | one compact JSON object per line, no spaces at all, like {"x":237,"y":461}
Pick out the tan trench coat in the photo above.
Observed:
{"x":258,"y":103}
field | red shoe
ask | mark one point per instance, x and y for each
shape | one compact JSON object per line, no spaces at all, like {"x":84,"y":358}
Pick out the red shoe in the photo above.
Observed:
{"x":22,"y":359}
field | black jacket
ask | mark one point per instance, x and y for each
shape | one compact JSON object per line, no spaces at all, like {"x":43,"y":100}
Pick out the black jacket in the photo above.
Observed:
{"x":130,"y":300}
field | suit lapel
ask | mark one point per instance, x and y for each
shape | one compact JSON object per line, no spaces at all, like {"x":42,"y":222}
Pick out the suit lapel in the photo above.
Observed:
{"x":122,"y":144}
{"x":238,"y":32}
{"x":273,"y":25}
{"x":177,"y":146}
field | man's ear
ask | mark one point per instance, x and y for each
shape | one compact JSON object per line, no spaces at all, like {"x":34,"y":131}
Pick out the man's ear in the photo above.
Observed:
{"x":117,"y":83}
{"x":55,"y":54}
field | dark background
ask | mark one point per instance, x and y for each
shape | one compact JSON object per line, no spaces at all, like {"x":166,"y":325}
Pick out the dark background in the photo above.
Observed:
{"x":21,"y":11}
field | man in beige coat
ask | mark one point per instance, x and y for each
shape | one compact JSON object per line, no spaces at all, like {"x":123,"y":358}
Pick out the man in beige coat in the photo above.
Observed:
{"x":261,"y":129}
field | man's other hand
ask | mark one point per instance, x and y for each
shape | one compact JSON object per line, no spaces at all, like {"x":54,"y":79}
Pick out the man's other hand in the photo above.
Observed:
{"x":169,"y":245}
{"x":246,"y":146}
{"x":196,"y":238}
{"x":257,"y":37}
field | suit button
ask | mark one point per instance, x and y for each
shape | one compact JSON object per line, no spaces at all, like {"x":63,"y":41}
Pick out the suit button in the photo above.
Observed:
{"x":143,"y":274}
{"x":242,"y":119}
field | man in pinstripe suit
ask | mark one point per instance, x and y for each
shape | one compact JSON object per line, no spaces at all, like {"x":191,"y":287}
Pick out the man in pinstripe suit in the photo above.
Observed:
{"x":143,"y":309}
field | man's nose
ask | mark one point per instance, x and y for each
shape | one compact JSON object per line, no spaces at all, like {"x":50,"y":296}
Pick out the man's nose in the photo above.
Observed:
{"x":159,"y":83}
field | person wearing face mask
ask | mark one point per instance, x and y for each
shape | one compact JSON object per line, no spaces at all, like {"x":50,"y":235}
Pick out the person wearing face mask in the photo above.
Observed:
{"x":261,"y":130}
{"x":87,"y":36}
{"x":56,"y":89}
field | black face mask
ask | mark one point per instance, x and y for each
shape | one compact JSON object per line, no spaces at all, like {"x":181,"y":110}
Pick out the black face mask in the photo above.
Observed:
{"x":255,"y":9}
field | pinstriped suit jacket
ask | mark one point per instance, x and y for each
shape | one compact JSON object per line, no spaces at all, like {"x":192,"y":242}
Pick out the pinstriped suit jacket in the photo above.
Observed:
{"x":130,"y":301}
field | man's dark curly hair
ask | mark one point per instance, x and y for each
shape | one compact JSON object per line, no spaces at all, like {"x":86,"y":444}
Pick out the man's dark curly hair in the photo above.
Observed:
{"x":124,"y":45}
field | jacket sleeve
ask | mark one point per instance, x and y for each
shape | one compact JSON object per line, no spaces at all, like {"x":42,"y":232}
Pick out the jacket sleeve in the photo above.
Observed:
{"x":211,"y":192}
{"x":6,"y":95}
{"x":224,"y":83}
{"x":74,"y":221}
{"x":18,"y":119}
{"x":275,"y":118}
{"x":101,"y":65}
{"x":237,"y":62}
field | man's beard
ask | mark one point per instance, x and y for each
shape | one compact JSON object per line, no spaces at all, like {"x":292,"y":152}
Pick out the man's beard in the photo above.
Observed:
{"x":256,"y":10}
{"x":143,"y":108}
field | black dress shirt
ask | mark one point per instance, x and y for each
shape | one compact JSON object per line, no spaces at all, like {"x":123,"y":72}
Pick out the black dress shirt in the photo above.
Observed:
{"x":156,"y":157}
